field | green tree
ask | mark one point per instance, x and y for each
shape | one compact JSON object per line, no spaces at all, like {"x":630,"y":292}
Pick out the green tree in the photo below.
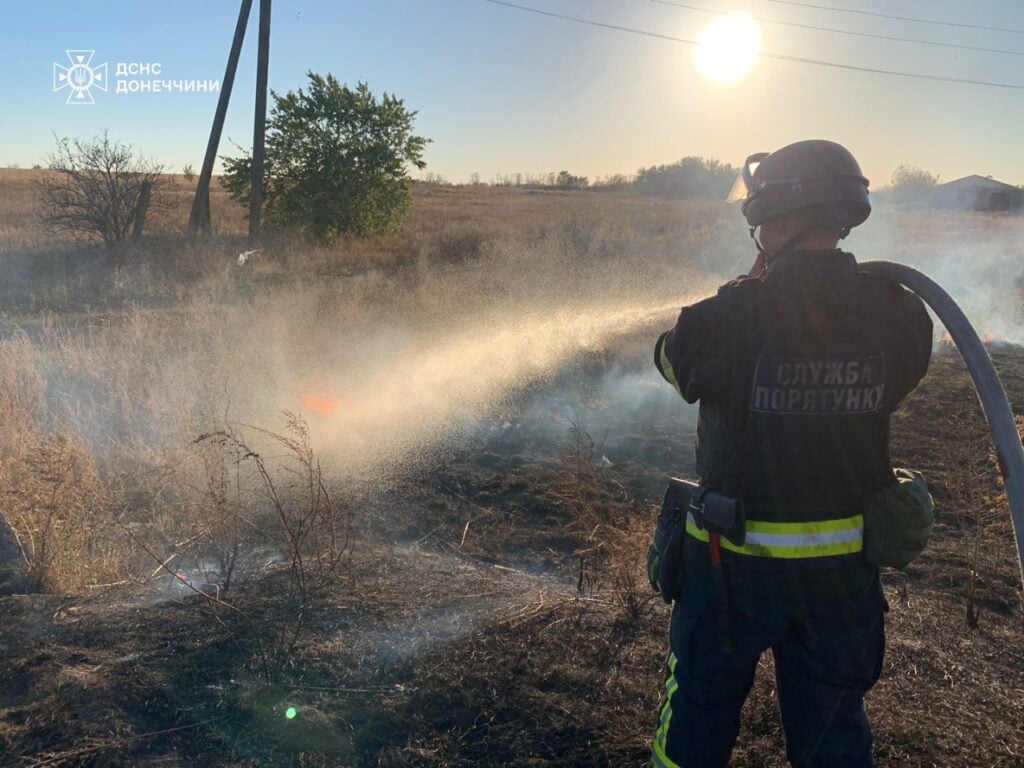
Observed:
{"x":566,"y":180}
{"x":690,"y":177}
{"x":337,"y":161}
{"x":912,"y":186}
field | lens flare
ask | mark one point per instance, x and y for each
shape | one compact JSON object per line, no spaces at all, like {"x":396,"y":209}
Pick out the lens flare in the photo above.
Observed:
{"x":290,"y":713}
{"x":728,"y":48}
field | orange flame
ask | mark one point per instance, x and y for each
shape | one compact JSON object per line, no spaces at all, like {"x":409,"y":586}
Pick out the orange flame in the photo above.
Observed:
{"x":989,"y":338}
{"x":317,"y":396}
{"x":322,"y":405}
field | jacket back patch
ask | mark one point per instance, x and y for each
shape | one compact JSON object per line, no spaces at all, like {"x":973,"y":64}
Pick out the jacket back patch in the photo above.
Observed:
{"x":820,"y":386}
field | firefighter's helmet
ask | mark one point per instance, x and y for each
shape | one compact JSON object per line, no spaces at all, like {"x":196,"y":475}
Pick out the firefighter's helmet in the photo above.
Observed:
{"x":814,"y":174}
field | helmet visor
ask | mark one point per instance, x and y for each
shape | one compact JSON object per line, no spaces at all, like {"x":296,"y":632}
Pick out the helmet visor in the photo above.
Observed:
{"x":745,"y":181}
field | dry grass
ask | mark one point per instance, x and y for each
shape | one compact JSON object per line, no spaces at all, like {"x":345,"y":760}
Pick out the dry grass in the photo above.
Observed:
{"x":512,"y":624}
{"x":116,"y":362}
{"x":449,"y":228}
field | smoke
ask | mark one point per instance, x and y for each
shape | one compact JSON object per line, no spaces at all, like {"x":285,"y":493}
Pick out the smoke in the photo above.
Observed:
{"x":975,"y":257}
{"x":427,"y":389}
{"x":391,"y":369}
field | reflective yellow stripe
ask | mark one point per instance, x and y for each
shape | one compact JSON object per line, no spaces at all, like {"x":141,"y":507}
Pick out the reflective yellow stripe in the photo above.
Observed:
{"x":666,"y":366}
{"x":658,"y":757}
{"x":822,"y":538}
{"x":660,"y":760}
{"x":817,"y":526}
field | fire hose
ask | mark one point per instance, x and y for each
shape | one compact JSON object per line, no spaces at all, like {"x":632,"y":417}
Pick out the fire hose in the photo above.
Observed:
{"x":1009,"y":449}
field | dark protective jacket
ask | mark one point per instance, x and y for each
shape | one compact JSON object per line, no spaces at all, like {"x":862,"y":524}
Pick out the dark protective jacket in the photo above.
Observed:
{"x":797,"y":375}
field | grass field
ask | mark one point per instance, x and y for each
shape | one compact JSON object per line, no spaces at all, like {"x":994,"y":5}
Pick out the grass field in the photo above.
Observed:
{"x":404,"y":486}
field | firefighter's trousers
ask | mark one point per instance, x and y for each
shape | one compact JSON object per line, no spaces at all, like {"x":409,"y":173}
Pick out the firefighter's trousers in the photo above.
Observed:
{"x":825,"y":662}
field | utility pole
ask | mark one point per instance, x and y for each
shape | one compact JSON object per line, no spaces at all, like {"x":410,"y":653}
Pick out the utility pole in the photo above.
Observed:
{"x":259,"y":125}
{"x":199,"y":218}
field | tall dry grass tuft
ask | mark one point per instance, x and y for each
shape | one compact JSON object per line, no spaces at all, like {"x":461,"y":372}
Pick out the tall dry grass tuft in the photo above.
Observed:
{"x":59,"y":509}
{"x":54,"y":499}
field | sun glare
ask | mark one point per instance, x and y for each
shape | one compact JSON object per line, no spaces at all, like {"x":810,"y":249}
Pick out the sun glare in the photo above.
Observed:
{"x":728,"y":48}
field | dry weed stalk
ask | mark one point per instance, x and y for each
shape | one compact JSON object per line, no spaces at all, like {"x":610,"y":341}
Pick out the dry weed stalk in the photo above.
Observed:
{"x":980,"y":493}
{"x":632,"y":592}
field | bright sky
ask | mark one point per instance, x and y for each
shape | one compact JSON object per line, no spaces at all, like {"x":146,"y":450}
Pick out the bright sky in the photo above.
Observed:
{"x":503,"y":91}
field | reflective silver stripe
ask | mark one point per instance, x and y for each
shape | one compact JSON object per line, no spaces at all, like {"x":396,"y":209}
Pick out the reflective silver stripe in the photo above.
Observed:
{"x":805,"y":539}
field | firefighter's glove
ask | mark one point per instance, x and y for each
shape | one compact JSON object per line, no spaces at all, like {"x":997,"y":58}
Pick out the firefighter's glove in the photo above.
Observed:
{"x":898,"y":521}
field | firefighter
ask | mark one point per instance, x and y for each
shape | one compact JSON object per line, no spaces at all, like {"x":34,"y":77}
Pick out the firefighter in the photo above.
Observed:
{"x":797,"y":369}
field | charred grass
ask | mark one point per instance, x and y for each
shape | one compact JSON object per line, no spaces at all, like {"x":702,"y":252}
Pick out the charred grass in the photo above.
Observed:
{"x":471,"y":638}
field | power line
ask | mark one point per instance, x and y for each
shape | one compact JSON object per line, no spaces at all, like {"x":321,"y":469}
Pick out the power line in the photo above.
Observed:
{"x":935,"y":22}
{"x":762,"y":54}
{"x":914,"y":40}
{"x":591,"y":23}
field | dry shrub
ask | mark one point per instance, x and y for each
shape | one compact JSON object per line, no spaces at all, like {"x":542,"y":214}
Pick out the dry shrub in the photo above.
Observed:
{"x":98,"y":187}
{"x":239,"y":510}
{"x":632,"y":592}
{"x":245,"y":499}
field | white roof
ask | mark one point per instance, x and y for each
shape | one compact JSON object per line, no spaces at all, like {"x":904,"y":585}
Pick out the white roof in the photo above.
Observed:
{"x":977,"y":182}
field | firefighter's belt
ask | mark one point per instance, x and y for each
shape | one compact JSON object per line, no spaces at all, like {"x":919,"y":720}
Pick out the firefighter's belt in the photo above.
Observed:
{"x":818,"y":538}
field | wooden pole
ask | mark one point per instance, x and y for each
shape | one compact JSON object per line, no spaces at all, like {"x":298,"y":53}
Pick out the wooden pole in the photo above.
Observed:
{"x":141,"y":208}
{"x":199,"y":219}
{"x":259,"y":125}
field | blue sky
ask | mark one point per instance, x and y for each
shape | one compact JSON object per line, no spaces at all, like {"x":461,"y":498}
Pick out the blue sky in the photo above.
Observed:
{"x":501,"y":91}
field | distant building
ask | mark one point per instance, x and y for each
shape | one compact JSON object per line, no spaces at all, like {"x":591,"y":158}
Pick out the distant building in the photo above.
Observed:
{"x":976,"y":193}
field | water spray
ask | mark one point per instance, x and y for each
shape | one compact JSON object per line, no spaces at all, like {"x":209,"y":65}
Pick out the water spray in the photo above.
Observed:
{"x":1009,"y":449}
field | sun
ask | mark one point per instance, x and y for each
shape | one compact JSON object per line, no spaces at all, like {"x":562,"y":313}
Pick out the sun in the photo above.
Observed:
{"x":728,"y":48}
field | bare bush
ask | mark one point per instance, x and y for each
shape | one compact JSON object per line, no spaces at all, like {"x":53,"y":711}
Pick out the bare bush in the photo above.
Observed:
{"x":98,"y":188}
{"x":314,"y":533}
{"x":247,"y":501}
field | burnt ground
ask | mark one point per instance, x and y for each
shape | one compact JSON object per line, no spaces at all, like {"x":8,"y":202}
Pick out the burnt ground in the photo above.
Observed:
{"x":494,"y":613}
